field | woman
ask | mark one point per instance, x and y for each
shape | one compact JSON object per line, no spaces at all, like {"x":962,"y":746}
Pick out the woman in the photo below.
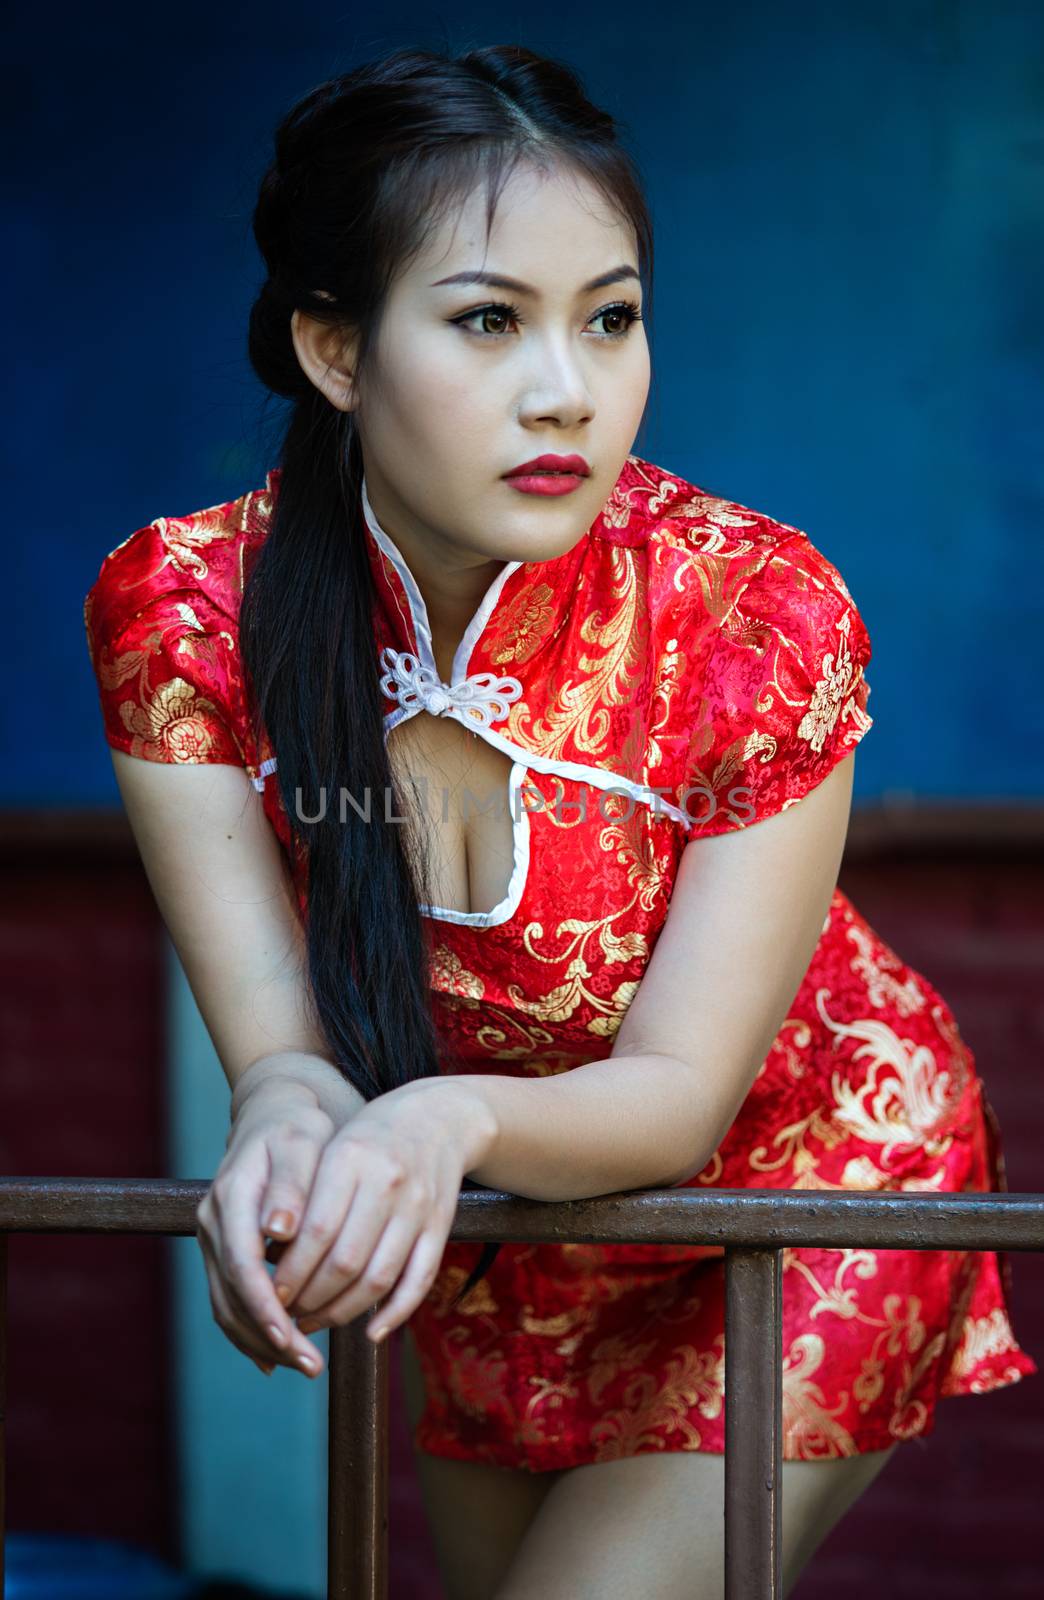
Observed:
{"x":460,"y":588}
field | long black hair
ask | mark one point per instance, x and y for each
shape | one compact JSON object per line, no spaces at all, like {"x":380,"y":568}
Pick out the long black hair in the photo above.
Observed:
{"x":365,"y":166}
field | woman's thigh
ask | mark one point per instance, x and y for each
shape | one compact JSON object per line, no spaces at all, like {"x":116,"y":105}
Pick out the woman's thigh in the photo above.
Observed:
{"x":478,"y":1514}
{"x":653,"y":1525}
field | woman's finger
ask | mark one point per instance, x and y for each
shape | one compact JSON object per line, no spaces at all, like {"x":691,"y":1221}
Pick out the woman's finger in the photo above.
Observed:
{"x":242,"y":1269}
{"x":294,"y":1152}
{"x":335,"y":1187}
{"x":410,"y":1288}
{"x":381,"y":1274}
{"x":413,"y":1286}
{"x":232,"y":1326}
{"x":349,"y":1250}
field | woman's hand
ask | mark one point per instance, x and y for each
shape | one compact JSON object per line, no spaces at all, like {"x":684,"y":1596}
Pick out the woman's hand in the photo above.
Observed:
{"x":272,"y":1153}
{"x":381,"y":1206}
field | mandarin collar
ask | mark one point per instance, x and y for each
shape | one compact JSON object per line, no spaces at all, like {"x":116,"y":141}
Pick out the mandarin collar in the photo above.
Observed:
{"x":524,"y":606}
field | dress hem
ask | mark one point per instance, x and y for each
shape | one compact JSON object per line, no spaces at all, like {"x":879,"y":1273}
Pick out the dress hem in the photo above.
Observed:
{"x":1017,"y":1365}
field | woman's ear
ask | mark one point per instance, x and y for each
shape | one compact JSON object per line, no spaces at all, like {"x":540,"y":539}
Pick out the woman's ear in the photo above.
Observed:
{"x":327,"y":358}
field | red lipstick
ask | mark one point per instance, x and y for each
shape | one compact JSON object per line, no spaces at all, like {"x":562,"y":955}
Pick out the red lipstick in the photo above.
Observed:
{"x":549,"y":474}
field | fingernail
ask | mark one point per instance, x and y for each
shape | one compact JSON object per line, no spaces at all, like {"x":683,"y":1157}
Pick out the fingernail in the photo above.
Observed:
{"x":377,"y":1333}
{"x":309,"y":1363}
{"x":283,"y":1293}
{"x":280,"y":1222}
{"x":277,"y":1336}
{"x":267,"y":1367}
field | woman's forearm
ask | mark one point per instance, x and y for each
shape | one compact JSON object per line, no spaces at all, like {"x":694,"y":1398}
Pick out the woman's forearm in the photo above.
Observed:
{"x":626,"y":1122}
{"x":314,"y":1074}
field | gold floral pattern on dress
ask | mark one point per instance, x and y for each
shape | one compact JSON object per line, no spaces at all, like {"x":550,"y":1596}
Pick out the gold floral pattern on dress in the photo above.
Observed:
{"x":578,"y":711}
{"x":793,"y":1152}
{"x":903,"y":1336}
{"x":524,"y":623}
{"x":981,"y":1339}
{"x":611,"y":1357}
{"x":700,"y":508}
{"x":808,"y":1421}
{"x":834,"y":694}
{"x":715,"y":574}
{"x":647,"y":868}
{"x":616,"y":512}
{"x":547,"y":1397}
{"x":695,"y":1380}
{"x":476,"y":1380}
{"x":173,"y":723}
{"x":668,"y":681}
{"x":567,"y":1328}
{"x":186,"y":538}
{"x":501,"y":1034}
{"x":905,"y":1097}
{"x":479,"y":1300}
{"x":505,"y":1035}
{"x":645,"y":487}
{"x":170,"y":713}
{"x":883,"y":973}
{"x":448,"y":973}
{"x":562,"y":1001}
{"x":839,"y":1299}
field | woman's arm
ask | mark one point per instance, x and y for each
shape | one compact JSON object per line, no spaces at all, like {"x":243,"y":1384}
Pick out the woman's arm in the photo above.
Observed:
{"x":746,"y":914}
{"x":309,"y":1072}
{"x":223,"y":890}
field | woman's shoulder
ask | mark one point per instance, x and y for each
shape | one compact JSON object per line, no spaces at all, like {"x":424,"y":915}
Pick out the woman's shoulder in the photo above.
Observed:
{"x":714,"y":563}
{"x":750,"y":636}
{"x":161,"y":621}
{"x":197,"y":560}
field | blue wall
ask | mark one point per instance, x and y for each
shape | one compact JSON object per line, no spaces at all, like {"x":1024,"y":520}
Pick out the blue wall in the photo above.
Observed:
{"x":847,"y":332}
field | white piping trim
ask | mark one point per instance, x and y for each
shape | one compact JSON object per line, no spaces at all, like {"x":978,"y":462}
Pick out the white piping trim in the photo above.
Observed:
{"x":262,"y":773}
{"x":421,"y":623}
{"x":644,"y":794}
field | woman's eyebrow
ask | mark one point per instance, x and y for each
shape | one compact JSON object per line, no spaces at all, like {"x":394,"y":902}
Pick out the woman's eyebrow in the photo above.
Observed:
{"x":494,"y":280}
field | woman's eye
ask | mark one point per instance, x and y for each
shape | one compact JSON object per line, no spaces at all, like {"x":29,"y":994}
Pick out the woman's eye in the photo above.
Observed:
{"x":625,"y":312}
{"x":500,"y":313}
{"x":620,"y":318}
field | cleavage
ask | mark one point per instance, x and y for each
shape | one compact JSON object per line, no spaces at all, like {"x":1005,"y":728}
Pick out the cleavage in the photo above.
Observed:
{"x":461,"y":784}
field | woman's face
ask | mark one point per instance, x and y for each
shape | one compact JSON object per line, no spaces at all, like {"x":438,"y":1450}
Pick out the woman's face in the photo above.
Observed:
{"x":465,"y":390}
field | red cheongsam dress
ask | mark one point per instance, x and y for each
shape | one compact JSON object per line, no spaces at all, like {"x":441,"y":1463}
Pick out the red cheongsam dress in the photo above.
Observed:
{"x":689,"y":667}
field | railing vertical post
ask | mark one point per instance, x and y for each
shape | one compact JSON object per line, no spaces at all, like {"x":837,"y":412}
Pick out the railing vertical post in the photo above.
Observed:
{"x":357,"y":1512}
{"x":753,"y":1423}
{"x":3,"y":1401}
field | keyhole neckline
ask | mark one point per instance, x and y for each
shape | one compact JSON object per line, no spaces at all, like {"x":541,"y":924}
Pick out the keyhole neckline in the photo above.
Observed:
{"x":420,"y":623}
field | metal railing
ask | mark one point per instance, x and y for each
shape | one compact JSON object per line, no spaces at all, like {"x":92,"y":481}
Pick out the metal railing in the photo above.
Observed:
{"x":752,"y":1226}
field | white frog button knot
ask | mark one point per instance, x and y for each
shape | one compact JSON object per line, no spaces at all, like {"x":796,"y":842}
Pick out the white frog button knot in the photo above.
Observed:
{"x":482,"y":698}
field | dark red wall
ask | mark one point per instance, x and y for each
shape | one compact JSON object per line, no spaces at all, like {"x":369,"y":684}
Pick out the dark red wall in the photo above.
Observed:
{"x":90,"y":1447}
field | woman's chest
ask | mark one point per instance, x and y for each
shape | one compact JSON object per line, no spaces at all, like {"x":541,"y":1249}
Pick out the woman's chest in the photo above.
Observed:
{"x":465,"y":797}
{"x":576,"y":891}
{"x":546,"y":893}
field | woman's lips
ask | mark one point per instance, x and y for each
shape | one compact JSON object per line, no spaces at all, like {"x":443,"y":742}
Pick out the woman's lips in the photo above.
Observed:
{"x":545,"y":482}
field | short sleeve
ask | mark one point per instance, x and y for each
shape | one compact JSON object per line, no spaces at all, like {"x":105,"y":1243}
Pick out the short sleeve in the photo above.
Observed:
{"x":782,"y":695}
{"x":164,"y":656}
